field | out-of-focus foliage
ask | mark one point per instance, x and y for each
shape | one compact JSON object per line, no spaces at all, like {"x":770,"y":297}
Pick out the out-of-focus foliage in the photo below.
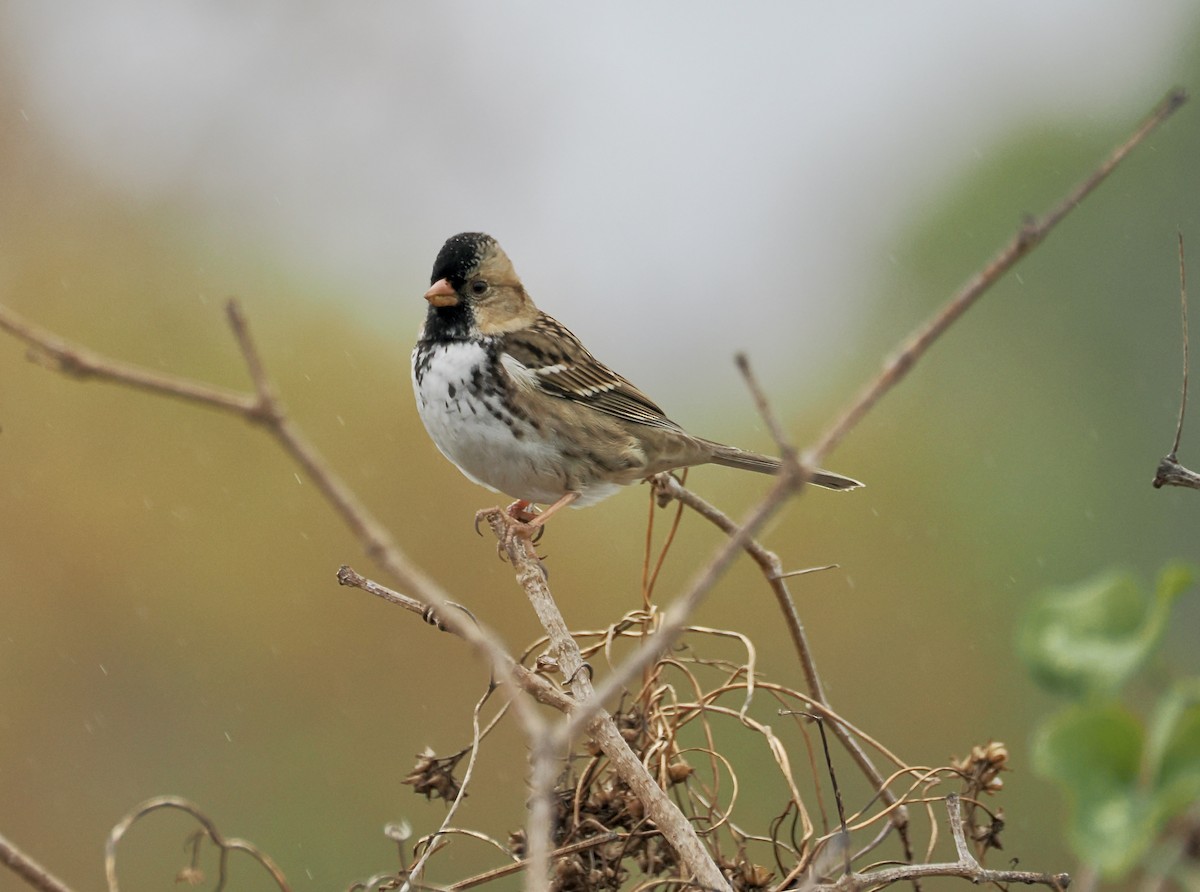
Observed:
{"x":1128,"y":776}
{"x":1091,"y":638}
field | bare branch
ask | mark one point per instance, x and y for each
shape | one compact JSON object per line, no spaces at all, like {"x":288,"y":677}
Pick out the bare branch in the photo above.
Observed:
{"x":82,"y":363}
{"x":28,"y":869}
{"x":1028,"y":237}
{"x":347,"y":575}
{"x":254,"y":364}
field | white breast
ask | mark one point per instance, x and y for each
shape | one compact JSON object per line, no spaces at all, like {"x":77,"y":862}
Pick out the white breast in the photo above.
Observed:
{"x":463,"y":421}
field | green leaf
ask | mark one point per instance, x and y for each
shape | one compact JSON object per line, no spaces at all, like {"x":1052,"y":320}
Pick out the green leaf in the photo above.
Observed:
{"x":1124,"y":784}
{"x":1173,"y":749}
{"x":1088,"y":639}
{"x":1094,"y":752}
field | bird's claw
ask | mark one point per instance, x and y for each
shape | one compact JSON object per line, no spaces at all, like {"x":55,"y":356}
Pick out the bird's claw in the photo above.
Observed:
{"x":486,"y":514}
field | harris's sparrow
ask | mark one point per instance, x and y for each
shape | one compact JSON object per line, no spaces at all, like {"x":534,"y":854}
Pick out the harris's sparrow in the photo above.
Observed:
{"x":520,"y":406}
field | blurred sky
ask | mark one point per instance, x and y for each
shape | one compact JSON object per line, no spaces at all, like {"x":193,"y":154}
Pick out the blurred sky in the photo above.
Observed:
{"x":638,"y":161}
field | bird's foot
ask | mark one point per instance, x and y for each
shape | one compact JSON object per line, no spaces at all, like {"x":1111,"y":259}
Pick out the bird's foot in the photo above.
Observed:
{"x":526,"y":520}
{"x":520,"y":520}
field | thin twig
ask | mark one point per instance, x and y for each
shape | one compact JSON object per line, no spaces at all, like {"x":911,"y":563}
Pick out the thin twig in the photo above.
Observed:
{"x":1170,"y":472}
{"x":837,"y":793}
{"x":414,"y":875}
{"x":528,"y":681}
{"x":1028,"y":237}
{"x":268,"y":402}
{"x":787,"y":449}
{"x":347,"y":575}
{"x":650,"y":578}
{"x":1184,"y":319}
{"x":28,"y":869}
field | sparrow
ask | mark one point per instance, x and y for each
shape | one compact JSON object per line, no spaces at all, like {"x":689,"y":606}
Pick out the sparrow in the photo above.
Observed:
{"x":519,"y":405}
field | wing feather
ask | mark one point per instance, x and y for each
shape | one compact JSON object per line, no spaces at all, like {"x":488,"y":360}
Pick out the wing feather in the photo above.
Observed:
{"x":558,"y":364}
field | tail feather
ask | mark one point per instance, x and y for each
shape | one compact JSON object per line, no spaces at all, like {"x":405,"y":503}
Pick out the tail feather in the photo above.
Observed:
{"x":732,"y":457}
{"x":830,"y":480}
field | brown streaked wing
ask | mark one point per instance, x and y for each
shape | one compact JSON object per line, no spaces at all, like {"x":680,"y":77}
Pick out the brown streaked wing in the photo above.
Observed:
{"x":566,"y":369}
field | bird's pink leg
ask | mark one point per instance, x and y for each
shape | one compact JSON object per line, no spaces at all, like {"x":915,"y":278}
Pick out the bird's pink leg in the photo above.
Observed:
{"x":544,"y":516}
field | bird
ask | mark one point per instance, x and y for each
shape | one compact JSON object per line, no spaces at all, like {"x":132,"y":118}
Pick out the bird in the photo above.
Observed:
{"x":512,"y":397}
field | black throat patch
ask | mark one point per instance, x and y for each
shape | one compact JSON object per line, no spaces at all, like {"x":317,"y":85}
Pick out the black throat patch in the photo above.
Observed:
{"x":443,"y":324}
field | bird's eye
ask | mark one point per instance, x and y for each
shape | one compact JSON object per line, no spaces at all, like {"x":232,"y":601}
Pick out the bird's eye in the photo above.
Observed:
{"x":479,"y":286}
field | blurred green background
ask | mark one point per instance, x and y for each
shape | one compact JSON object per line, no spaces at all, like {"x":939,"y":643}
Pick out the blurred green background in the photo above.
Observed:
{"x":171,"y":619}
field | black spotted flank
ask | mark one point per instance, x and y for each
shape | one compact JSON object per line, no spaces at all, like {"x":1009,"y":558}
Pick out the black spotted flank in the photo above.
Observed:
{"x":422,"y":357}
{"x":459,"y":257}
